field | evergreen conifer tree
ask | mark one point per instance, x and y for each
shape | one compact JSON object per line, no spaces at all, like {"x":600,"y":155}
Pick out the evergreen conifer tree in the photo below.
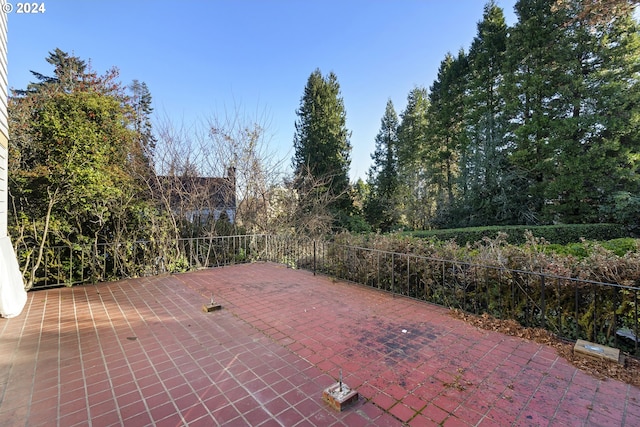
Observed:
{"x":321,"y":143}
{"x":141,"y":103}
{"x":483,"y":199}
{"x":447,"y":137}
{"x":570,"y":89}
{"x":534,"y":58}
{"x":414,"y":204}
{"x":380,"y":209}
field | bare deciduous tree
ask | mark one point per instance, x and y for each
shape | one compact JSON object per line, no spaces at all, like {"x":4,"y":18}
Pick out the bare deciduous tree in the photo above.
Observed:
{"x":221,"y":169}
{"x":238,"y":144}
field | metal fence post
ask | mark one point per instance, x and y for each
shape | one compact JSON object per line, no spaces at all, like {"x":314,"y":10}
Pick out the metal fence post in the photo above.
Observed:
{"x":595,"y":314}
{"x":393,"y":270}
{"x":635,"y":304}
{"x":542,"y":301}
{"x":576,"y":311}
{"x":378,"y":269}
{"x":408,"y":276}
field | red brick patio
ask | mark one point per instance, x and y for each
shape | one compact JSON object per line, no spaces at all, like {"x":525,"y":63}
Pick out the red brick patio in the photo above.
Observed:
{"x":141,"y":352}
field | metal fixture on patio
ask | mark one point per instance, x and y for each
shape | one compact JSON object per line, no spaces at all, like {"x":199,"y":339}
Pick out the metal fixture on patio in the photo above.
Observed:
{"x":339,"y":395}
{"x":212,"y":306}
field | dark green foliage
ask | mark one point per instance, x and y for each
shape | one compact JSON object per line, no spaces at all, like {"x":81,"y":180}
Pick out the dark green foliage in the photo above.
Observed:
{"x":321,"y":144}
{"x":534,"y":73}
{"x":141,"y":103}
{"x":356,"y":223}
{"x":415,"y":203}
{"x":74,"y":166}
{"x":536,"y":124}
{"x":70,"y":73}
{"x":447,"y":141}
{"x":381,"y":206}
{"x":570,"y":82}
{"x":485,"y":180}
{"x":623,"y":207}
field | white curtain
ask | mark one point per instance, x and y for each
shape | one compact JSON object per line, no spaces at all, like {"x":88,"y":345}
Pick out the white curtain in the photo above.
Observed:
{"x":12,"y":294}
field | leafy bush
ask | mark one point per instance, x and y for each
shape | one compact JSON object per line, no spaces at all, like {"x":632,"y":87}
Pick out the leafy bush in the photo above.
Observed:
{"x":619,"y":247}
{"x":622,"y":246}
{"x":560,"y":234}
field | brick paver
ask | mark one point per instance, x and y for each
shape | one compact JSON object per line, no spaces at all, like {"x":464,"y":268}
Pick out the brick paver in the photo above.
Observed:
{"x":141,"y":352}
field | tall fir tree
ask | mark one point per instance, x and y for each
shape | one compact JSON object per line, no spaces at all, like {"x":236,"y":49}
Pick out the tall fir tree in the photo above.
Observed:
{"x":415,"y":206}
{"x":534,"y":48}
{"x":484,"y":200}
{"x":381,"y":207}
{"x":447,"y":137}
{"x":321,"y":143}
{"x":141,"y":103}
{"x":69,"y":72}
{"x":598,"y":143}
{"x":572,"y":80}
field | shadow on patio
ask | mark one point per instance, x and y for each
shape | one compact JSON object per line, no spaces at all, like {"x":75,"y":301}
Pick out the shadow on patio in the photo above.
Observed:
{"x":142,"y":352}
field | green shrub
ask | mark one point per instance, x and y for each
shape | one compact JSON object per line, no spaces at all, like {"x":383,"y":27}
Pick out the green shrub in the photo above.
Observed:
{"x":618,"y":247}
{"x":559,"y":234}
{"x":621,"y":246}
{"x":577,"y":250}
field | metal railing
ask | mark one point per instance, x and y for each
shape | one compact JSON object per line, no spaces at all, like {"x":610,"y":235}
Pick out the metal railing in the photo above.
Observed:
{"x":571,"y":308}
{"x":72,"y":265}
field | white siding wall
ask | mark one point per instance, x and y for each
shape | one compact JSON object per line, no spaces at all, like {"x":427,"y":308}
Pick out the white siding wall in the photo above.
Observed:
{"x":12,"y":294}
{"x":3,"y":190}
{"x":4,"y":131}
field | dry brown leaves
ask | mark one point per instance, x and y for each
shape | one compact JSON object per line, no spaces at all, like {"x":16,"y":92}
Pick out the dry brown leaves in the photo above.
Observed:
{"x":628,"y":372}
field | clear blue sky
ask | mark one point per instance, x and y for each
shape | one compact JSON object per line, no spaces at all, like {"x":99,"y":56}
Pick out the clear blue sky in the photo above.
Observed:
{"x":199,"y":58}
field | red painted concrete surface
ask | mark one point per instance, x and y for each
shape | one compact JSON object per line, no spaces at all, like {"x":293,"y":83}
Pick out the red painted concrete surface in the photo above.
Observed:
{"x":142,"y":352}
